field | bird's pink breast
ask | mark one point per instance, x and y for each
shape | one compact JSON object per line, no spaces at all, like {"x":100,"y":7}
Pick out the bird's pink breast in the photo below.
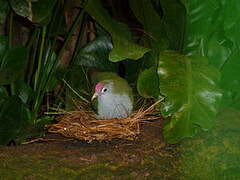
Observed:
{"x":99,"y":87}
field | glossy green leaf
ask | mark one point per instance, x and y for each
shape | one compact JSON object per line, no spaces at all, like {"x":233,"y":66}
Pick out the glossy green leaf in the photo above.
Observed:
{"x":201,"y":22}
{"x":22,"y":7}
{"x":3,"y":92}
{"x":8,"y":75}
{"x":4,"y":8}
{"x":153,"y":25}
{"x":16,"y":58}
{"x":95,"y":54}
{"x":3,"y":95}
{"x":3,"y":47}
{"x":13,"y":116}
{"x":192,"y":95}
{"x":36,"y":11}
{"x":42,"y":10}
{"x":230,"y":82}
{"x":23,"y":91}
{"x":174,"y":18}
{"x":123,"y":45}
{"x":212,"y":30}
{"x":148,"y":83}
{"x":13,"y":65}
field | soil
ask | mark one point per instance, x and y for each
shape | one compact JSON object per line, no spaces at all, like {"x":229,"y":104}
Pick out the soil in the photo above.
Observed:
{"x":58,"y":157}
{"x":214,"y":154}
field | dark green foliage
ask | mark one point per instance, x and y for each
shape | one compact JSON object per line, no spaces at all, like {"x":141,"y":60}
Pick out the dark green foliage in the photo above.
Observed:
{"x":212,"y":31}
{"x":95,"y":54}
{"x":36,"y":11}
{"x":13,"y":63}
{"x":23,"y":91}
{"x":148,"y":83}
{"x":4,"y":9}
{"x":154,"y":36}
{"x":13,"y":116}
{"x":205,"y":32}
{"x":192,"y":96}
{"x":123,"y":45}
{"x":22,"y":7}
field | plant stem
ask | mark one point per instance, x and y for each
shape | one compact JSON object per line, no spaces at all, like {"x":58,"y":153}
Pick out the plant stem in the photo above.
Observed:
{"x":75,"y":92}
{"x":10,"y":30}
{"x":73,"y":28}
{"x":40,"y":94}
{"x":38,"y":73}
{"x":33,"y":43}
{"x":80,"y":37}
{"x":40,"y":63}
{"x":10,"y":45}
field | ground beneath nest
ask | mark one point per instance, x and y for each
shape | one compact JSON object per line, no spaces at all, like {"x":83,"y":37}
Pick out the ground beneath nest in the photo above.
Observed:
{"x":73,"y":159}
{"x":211,"y":155}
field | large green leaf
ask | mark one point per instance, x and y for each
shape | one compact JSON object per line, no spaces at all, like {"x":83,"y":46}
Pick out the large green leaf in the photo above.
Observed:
{"x":13,"y":65}
{"x":42,"y":10}
{"x":123,"y":45}
{"x":212,"y":30}
{"x":7,"y":76}
{"x":230,"y":82}
{"x":13,"y":116}
{"x":23,"y":91}
{"x":16,"y":58}
{"x":4,"y":8}
{"x":3,"y":47}
{"x":148,"y":83}
{"x":36,"y":11}
{"x":3,"y":95}
{"x":155,"y":34}
{"x":95,"y":54}
{"x":22,"y":7}
{"x":192,"y":96}
{"x":201,"y":22}
{"x":174,"y":18}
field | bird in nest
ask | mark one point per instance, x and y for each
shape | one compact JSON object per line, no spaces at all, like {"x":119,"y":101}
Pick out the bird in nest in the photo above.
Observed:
{"x":113,"y":97}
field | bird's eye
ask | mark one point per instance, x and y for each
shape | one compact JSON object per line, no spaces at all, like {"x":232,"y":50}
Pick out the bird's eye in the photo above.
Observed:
{"x":104,"y":89}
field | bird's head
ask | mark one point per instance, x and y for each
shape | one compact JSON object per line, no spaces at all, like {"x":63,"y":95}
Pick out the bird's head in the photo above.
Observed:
{"x":102,"y":89}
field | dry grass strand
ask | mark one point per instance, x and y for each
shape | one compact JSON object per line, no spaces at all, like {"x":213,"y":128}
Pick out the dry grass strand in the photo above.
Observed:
{"x":83,"y":125}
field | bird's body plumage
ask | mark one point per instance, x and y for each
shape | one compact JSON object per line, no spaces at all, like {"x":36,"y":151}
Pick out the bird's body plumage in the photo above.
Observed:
{"x":117,"y":101}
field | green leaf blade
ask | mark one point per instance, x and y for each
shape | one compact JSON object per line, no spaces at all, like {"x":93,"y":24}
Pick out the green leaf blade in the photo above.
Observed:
{"x":4,"y":8}
{"x":192,"y":95}
{"x":95,"y":54}
{"x":123,"y":45}
{"x":13,"y":65}
{"x":155,"y":34}
{"x":13,"y":116}
{"x":148,"y":84}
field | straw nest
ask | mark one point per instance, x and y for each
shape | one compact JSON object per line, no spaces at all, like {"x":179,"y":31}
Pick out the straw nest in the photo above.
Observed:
{"x":83,"y":125}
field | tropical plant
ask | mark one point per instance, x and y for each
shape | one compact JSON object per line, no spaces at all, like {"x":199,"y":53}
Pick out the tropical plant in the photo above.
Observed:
{"x":173,"y":49}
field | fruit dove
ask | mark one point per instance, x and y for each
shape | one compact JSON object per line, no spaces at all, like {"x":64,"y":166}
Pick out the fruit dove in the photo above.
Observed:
{"x":114,"y":95}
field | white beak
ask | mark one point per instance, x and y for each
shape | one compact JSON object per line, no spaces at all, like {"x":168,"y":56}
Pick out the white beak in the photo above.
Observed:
{"x":95,"y":95}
